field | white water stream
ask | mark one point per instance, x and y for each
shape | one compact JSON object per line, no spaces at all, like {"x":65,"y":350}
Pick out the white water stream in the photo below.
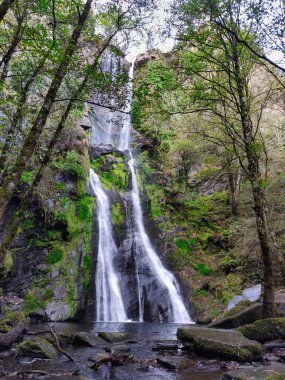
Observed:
{"x":109,"y":306}
{"x":109,"y":303}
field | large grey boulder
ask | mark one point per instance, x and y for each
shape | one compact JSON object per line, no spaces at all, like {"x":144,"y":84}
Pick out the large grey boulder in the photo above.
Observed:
{"x":225,"y":344}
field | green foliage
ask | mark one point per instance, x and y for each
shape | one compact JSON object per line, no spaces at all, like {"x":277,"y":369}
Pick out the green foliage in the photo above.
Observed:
{"x":28,"y":176}
{"x":115,"y":178}
{"x":54,"y":235}
{"x":96,"y":165}
{"x":31,"y":303}
{"x":206,"y":271}
{"x":70,"y":163}
{"x":117,"y":214}
{"x":55,"y":255}
{"x":85,"y":209}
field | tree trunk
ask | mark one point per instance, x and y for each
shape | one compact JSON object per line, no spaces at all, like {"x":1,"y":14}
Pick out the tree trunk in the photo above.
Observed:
{"x":4,"y":7}
{"x":11,"y":181}
{"x":16,"y":121}
{"x":8,"y":55}
{"x":259,"y":199}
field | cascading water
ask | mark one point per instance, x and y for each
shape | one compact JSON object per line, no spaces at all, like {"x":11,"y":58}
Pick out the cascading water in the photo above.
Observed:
{"x":125,"y":131}
{"x":155,"y":290}
{"x":109,"y":303}
{"x":176,"y":311}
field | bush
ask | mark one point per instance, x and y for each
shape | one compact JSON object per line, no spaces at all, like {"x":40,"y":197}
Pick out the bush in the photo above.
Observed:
{"x":71,"y":163}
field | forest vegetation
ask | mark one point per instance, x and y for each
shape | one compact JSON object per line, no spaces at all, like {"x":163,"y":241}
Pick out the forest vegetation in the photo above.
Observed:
{"x":208,"y":121}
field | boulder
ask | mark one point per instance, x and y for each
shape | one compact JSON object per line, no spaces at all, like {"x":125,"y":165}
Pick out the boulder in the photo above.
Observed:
{"x":37,"y":348}
{"x":175,"y":362}
{"x":225,"y":344}
{"x":113,"y":337}
{"x":100,"y":358}
{"x":86,"y":339}
{"x":265,"y":329}
{"x":271,"y":372}
{"x":165,"y":346}
{"x":248,"y":315}
{"x":118,"y":348}
{"x":57,"y":311}
{"x":102,"y":150}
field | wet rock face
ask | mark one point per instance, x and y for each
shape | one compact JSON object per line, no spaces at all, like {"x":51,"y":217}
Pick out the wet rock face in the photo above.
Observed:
{"x":103,"y":150}
{"x":227,"y":344}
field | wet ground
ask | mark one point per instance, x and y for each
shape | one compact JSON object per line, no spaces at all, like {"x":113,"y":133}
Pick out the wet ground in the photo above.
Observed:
{"x":141,"y":338}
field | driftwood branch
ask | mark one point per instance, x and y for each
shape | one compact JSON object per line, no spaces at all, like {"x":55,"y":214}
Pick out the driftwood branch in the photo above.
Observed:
{"x":58,"y":345}
{"x":6,"y":340}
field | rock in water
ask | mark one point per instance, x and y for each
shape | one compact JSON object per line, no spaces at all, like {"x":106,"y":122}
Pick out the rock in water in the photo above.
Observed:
{"x":265,"y":330}
{"x":37,"y":348}
{"x":258,"y":373}
{"x":225,"y":344}
{"x":113,"y":337}
{"x":86,"y":339}
{"x":175,"y":362}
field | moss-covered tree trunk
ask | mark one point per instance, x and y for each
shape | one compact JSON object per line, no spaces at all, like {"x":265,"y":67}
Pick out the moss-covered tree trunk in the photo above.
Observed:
{"x":259,"y":198}
{"x":30,"y":143}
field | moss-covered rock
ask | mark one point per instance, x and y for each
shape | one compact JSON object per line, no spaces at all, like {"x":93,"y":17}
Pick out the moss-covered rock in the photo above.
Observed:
{"x":113,"y":337}
{"x":265,"y":329}
{"x":86,"y":339}
{"x":248,"y":315}
{"x":226,"y":344}
{"x":37,"y":348}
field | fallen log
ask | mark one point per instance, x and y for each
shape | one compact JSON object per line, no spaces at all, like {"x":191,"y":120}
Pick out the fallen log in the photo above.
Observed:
{"x":6,"y":340}
{"x":272,"y":346}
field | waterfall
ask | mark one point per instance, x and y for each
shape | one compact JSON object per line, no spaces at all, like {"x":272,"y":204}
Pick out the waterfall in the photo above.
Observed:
{"x":156,"y":289}
{"x":176,"y":309}
{"x":109,"y":303}
{"x":125,"y":131}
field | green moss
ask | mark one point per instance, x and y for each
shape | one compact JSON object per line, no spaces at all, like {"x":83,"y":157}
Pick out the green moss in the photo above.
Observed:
{"x":28,"y":176}
{"x":265,"y":330}
{"x":61,"y":186}
{"x":55,"y":255}
{"x":85,"y":209}
{"x":117,"y":214}
{"x":31,"y":303}
{"x":97,"y":164}
{"x":206,"y":271}
{"x":115,"y":178}
{"x":54,"y":235}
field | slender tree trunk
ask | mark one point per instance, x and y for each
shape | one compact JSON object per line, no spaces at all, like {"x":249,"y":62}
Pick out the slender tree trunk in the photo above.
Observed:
{"x":11,"y":181}
{"x":8,"y":55}
{"x":4,"y":7}
{"x":259,"y":199}
{"x":17,"y":119}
